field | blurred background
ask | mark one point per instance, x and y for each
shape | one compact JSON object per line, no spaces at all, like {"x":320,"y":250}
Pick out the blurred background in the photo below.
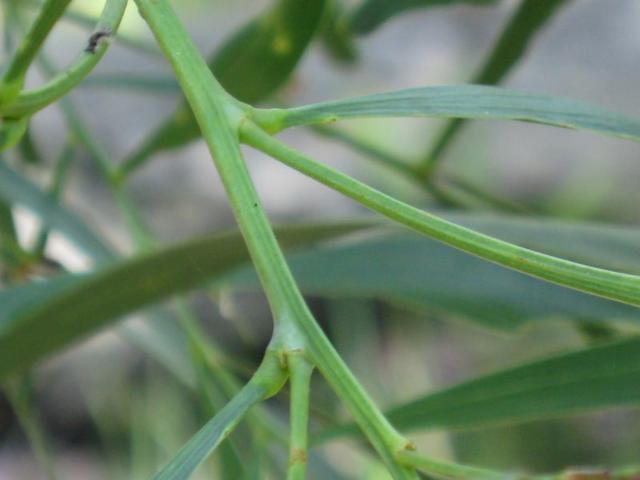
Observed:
{"x":113,"y":413}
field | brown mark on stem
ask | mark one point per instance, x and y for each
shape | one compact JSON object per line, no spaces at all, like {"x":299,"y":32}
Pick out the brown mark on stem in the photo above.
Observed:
{"x":298,"y":455}
{"x":95,"y":39}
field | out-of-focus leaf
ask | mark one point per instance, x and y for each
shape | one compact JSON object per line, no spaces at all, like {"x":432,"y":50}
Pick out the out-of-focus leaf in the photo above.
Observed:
{"x":39,"y":318}
{"x":373,"y":13}
{"x":261,"y":56}
{"x":465,"y":101}
{"x":160,"y":337}
{"x":511,"y":46}
{"x":11,"y":131}
{"x":28,"y":149}
{"x":252,"y":65}
{"x":9,"y":245}
{"x":336,"y":36}
{"x":16,"y":189}
{"x":514,"y":40}
{"x":589,"y":379}
{"x":594,"y":378}
{"x":149,"y":84}
{"x":182,"y":466}
{"x":425,"y":274}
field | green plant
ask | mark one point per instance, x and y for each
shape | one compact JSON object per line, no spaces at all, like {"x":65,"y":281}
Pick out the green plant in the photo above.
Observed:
{"x":40,"y":318}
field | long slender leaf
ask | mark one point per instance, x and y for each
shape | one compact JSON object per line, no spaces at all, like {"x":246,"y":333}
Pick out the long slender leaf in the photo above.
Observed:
{"x":209,"y":437}
{"x":464,"y":101}
{"x":598,"y":377}
{"x":373,"y":13}
{"x":266,"y":381}
{"x":39,"y":318}
{"x":424,"y":274}
{"x":251,"y":65}
{"x":571,"y":383}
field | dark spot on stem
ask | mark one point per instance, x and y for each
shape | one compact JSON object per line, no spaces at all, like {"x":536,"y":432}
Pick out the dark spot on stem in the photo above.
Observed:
{"x":298,"y":455}
{"x":95,"y":39}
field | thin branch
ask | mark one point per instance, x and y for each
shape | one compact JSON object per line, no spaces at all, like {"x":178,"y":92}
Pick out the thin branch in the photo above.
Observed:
{"x":300,"y":371}
{"x":605,"y":283}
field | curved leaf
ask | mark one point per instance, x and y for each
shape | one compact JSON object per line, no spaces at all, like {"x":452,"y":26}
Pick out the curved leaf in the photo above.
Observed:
{"x":463,"y":101}
{"x":194,"y":452}
{"x":39,"y":318}
{"x":424,"y":274}
{"x":265,"y":382}
{"x":597,"y":377}
{"x":589,"y":379}
{"x":373,"y":13}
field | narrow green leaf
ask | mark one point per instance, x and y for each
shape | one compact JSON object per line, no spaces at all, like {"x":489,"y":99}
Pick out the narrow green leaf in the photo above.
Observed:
{"x":594,"y":378}
{"x":373,"y":13}
{"x":424,"y":274}
{"x":510,"y":47}
{"x":267,"y":380}
{"x":462,"y":101}
{"x":251,"y":65}
{"x":40,"y":318}
{"x":210,"y":436}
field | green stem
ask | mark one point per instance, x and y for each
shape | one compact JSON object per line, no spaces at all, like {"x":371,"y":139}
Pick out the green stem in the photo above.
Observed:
{"x":219,"y":117}
{"x":14,"y":75}
{"x":141,"y":237}
{"x":29,"y":102}
{"x":448,"y":470}
{"x":612,"y":285}
{"x":300,"y":371}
